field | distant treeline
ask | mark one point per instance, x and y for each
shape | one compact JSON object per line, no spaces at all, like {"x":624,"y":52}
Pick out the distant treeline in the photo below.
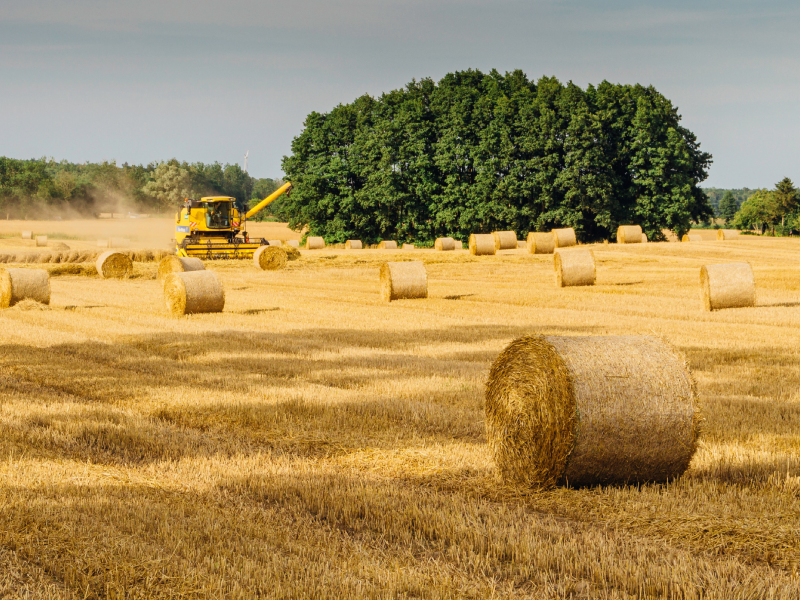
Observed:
{"x":482,"y":152}
{"x":31,"y":189}
{"x":716,"y":194}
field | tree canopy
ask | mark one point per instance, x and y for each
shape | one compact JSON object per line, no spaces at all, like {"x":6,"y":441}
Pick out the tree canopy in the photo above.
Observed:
{"x":482,"y":152}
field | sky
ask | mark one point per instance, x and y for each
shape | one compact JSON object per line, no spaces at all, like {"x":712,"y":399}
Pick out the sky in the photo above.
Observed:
{"x":136,"y":82}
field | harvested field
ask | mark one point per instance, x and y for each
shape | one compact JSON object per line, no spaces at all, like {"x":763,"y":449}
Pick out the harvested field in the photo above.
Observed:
{"x":314,"y":441}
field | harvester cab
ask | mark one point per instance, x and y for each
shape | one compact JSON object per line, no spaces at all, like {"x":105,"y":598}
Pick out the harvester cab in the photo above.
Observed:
{"x":215,"y":227}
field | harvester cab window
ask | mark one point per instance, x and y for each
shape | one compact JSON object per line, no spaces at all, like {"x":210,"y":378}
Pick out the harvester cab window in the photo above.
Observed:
{"x":218,"y":215}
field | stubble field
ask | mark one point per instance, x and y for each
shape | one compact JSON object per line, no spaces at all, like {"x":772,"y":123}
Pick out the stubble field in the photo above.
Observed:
{"x":314,"y":442}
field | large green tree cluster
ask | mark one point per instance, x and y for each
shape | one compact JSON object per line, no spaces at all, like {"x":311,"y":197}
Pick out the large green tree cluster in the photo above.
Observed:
{"x":481,"y":152}
{"x":768,"y":208}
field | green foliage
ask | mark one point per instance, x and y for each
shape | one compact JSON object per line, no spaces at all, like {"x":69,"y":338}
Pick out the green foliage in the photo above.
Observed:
{"x":786,"y":196}
{"x":715,"y":196}
{"x":758,"y":211}
{"x":728,"y":207}
{"x":477,"y":152}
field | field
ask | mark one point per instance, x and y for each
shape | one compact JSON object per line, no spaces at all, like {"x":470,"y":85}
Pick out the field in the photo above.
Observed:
{"x":313,"y":442}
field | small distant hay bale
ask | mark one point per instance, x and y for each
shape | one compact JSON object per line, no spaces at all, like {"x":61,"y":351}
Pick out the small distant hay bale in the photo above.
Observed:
{"x":353,"y":245}
{"x":522,"y":244}
{"x":505,"y":240}
{"x":629,"y":234}
{"x":293,"y":243}
{"x":387,"y":245}
{"x":270,"y":258}
{"x":60,"y":246}
{"x":193,"y":292}
{"x":459,"y":245}
{"x":694,"y":237}
{"x":292,"y":253}
{"x":727,"y":286}
{"x":408,"y":246}
{"x":178,"y":264}
{"x":17,"y":285}
{"x":41,"y":240}
{"x":541,"y":243}
{"x":113,"y":264}
{"x":27,"y":235}
{"x":403,"y":280}
{"x":574,"y":268}
{"x":644,"y":238}
{"x":591,"y":410}
{"x":315,"y":243}
{"x":103,"y":244}
{"x":727,"y":234}
{"x":481,"y":244}
{"x":563,"y":238}
{"x":444,"y":244}
{"x":277,"y":243}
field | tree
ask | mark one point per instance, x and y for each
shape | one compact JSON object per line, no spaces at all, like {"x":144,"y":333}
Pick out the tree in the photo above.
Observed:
{"x":170,"y":184}
{"x":728,"y":207}
{"x":786,"y":198}
{"x":758,"y":211}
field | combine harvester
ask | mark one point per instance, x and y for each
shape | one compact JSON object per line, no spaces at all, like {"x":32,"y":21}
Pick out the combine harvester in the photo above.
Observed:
{"x":214,"y":227}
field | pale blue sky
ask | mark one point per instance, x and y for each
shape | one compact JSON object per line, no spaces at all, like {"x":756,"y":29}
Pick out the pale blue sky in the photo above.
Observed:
{"x":205,"y":81}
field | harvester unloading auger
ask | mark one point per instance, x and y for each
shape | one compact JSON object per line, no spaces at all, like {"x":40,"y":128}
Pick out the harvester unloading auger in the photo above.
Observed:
{"x":214,"y":227}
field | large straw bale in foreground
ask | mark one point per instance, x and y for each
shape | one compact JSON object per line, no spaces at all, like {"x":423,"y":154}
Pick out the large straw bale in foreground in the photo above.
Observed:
{"x":387,"y":245}
{"x":481,"y":244}
{"x":114,"y":264}
{"x":401,"y":280}
{"x":41,"y":240}
{"x":541,"y":243}
{"x":27,"y":235}
{"x":353,"y":245}
{"x":270,"y":258}
{"x":444,"y":244}
{"x":17,"y":285}
{"x":178,"y":264}
{"x":629,"y":234}
{"x":563,"y":238}
{"x":505,"y":240}
{"x":193,"y":292}
{"x":315,"y":243}
{"x":574,"y":267}
{"x":694,"y":237}
{"x":727,"y":286}
{"x":727,"y":234}
{"x":590,"y":410}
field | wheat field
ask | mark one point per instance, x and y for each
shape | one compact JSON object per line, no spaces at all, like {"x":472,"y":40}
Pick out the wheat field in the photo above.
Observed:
{"x":312,"y":441}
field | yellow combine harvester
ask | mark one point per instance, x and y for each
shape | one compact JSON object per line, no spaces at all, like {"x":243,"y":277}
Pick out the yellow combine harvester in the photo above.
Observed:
{"x":214,"y":227}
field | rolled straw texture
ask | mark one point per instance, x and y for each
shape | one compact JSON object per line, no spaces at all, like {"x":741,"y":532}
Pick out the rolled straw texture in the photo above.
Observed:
{"x":293,"y":243}
{"x":401,"y":280}
{"x":695,"y":237}
{"x":113,"y":264}
{"x":408,"y":246}
{"x":481,"y":244}
{"x":387,"y":245}
{"x":292,"y":253}
{"x":505,"y":240}
{"x":644,"y":238}
{"x":629,"y":234}
{"x":727,"y":234}
{"x":459,"y":245}
{"x":541,"y":243}
{"x":315,"y":243}
{"x":178,"y":264}
{"x":193,"y":292}
{"x":41,"y":240}
{"x":27,"y":235}
{"x":353,"y":245}
{"x":17,"y":285}
{"x":591,"y":410}
{"x":270,"y":258}
{"x":563,"y":238}
{"x":574,"y":267}
{"x":444,"y":244}
{"x":727,"y":286}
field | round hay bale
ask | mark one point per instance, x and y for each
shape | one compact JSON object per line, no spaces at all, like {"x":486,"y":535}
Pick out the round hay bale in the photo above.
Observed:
{"x":444,"y":244}
{"x":41,"y":240}
{"x":408,"y":246}
{"x":522,"y":244}
{"x":644,"y":238}
{"x":353,"y":245}
{"x":27,"y":235}
{"x":727,"y":234}
{"x":574,"y":267}
{"x":505,"y":240}
{"x":292,"y":253}
{"x":277,"y":243}
{"x":400,"y":280}
{"x":727,"y":286}
{"x":459,"y":245}
{"x":563,"y":238}
{"x":591,"y":410}
{"x":481,"y":244}
{"x":695,"y":237}
{"x":293,"y":243}
{"x":315,"y":243}
{"x":541,"y":243}
{"x":629,"y":234}
{"x":270,"y":258}
{"x":17,"y":285}
{"x":178,"y":264}
{"x":113,"y":264}
{"x":193,"y":292}
{"x":387,"y":245}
